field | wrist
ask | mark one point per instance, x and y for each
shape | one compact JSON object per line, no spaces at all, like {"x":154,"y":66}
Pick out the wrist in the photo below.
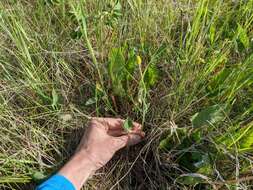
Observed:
{"x":78,"y":169}
{"x":91,"y":158}
{"x":86,"y":160}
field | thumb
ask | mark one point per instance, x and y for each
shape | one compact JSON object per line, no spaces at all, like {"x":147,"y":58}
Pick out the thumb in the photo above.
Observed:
{"x":119,"y":142}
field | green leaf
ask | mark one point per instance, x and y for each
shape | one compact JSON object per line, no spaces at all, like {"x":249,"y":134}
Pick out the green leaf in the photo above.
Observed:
{"x":128,"y":125}
{"x":206,"y":169}
{"x":121,"y":69}
{"x":151,"y":76}
{"x":174,"y":139}
{"x":131,"y":64}
{"x":241,"y":136}
{"x":55,"y":99}
{"x":90,"y":101}
{"x":245,"y":137}
{"x":200,"y":160}
{"x":117,"y":6}
{"x":197,"y":135}
{"x":220,"y":78}
{"x":116,"y":62}
{"x":76,"y":34}
{"x":76,"y":14}
{"x":116,"y":70}
{"x":242,"y":35}
{"x":167,"y":143}
{"x":191,"y":179}
{"x":208,"y":116}
{"x":112,"y":13}
{"x":38,"y":176}
{"x":247,"y":141}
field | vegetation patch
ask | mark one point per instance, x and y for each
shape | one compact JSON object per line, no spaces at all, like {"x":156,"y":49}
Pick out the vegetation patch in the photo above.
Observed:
{"x":183,"y":69}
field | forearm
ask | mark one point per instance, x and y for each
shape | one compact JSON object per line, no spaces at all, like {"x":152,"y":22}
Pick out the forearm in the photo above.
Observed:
{"x":103,"y":138}
{"x":78,"y":169}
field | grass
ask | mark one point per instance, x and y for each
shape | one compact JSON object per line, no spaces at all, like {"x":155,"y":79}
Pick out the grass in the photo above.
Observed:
{"x":64,"y":61}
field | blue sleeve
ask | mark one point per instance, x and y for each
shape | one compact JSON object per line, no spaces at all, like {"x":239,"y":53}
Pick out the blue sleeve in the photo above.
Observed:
{"x":56,"y":182}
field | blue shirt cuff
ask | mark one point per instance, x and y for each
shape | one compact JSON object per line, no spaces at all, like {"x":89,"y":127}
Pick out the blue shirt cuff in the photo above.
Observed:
{"x":56,"y":182}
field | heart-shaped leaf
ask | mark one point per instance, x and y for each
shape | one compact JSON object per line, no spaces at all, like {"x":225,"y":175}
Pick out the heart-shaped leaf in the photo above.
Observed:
{"x":128,"y":125}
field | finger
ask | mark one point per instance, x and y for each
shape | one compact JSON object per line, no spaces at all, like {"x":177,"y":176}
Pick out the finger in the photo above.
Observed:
{"x":116,"y":133}
{"x":117,"y":124}
{"x":136,"y":127}
{"x":135,"y":138}
{"x":98,"y":123}
{"x":111,"y":123}
{"x":119,"y":132}
{"x":119,"y":142}
{"x":140,"y":133}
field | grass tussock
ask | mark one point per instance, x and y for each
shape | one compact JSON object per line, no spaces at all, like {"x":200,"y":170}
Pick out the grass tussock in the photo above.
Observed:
{"x":184,"y":69}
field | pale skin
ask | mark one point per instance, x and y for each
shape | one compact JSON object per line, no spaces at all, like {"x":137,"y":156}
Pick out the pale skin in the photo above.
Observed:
{"x":102,"y":139}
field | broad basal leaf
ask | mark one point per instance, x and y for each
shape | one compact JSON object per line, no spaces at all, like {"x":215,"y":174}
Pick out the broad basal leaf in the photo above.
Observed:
{"x":208,"y":116}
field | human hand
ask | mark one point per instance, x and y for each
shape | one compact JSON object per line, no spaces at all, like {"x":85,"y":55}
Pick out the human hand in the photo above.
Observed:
{"x":104,"y":137}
